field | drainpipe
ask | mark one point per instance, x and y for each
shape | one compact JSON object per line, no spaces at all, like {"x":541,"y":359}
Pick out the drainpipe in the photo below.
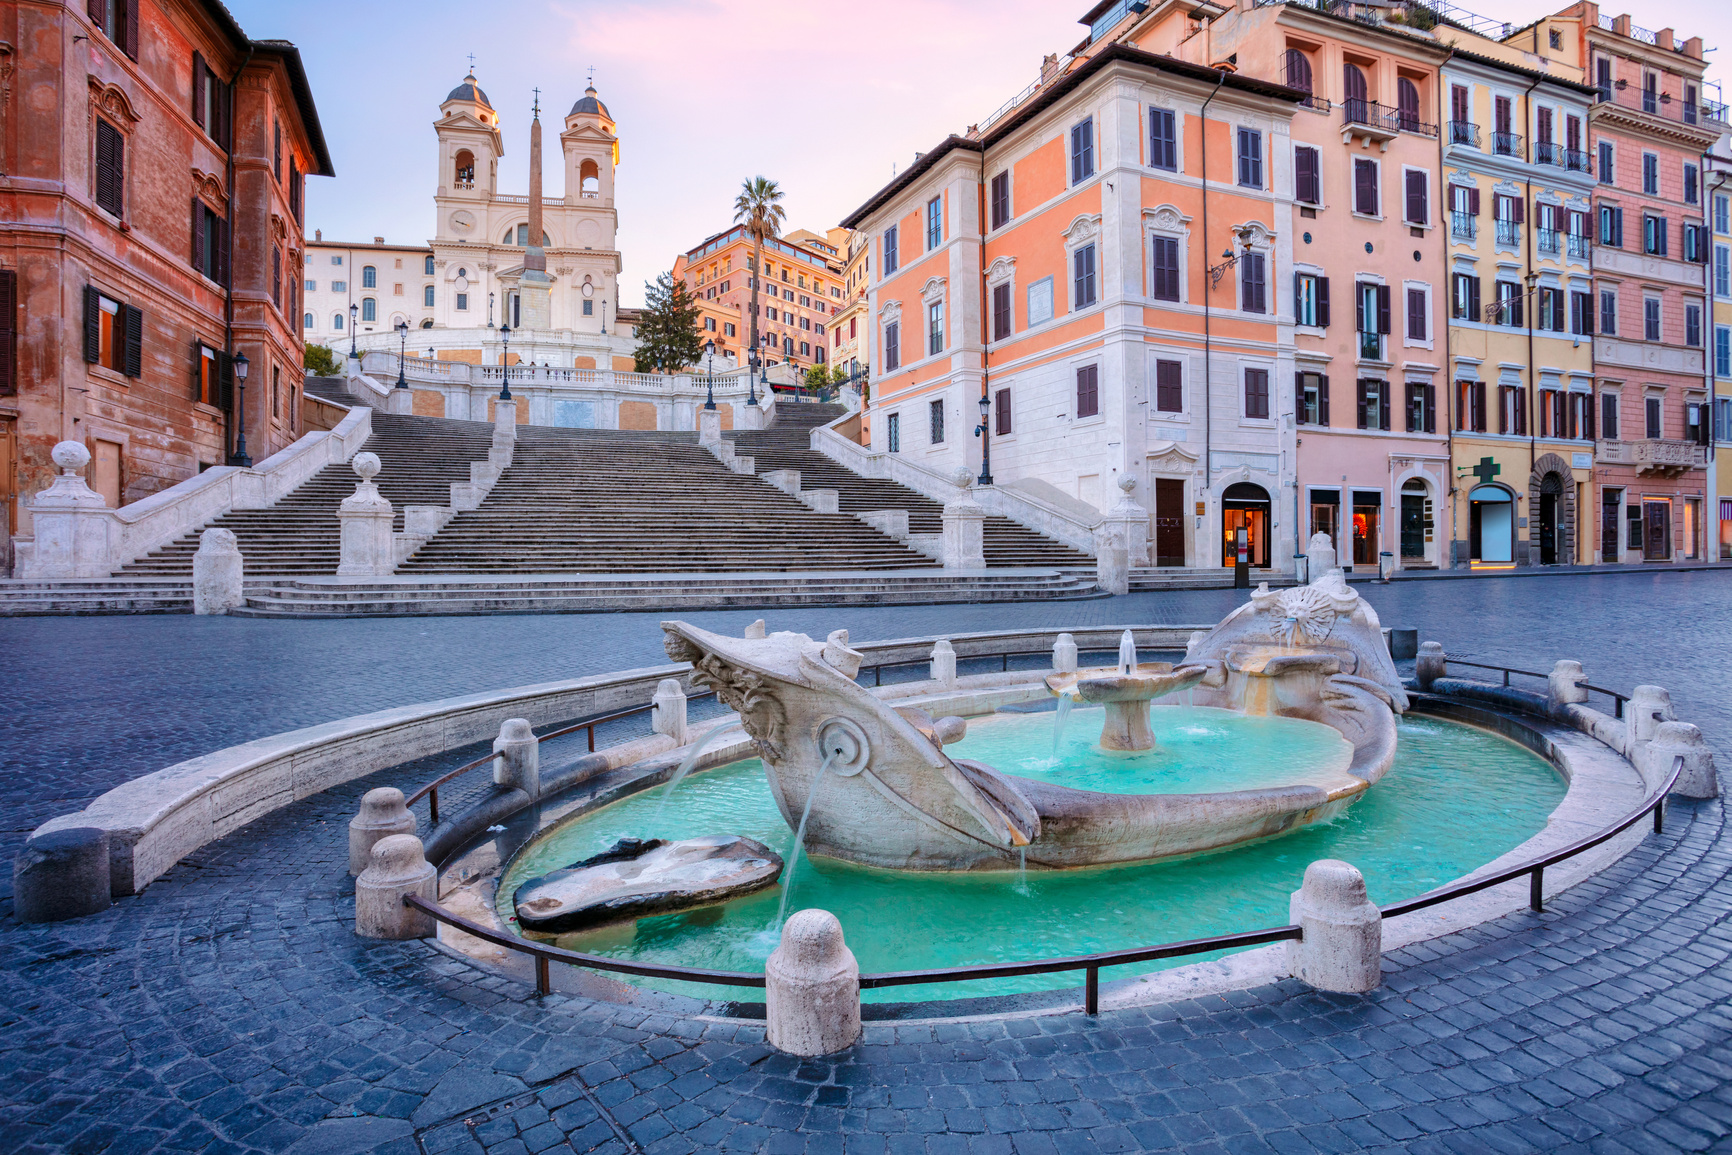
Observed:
{"x":1531,"y":397}
{"x":1208,"y":358}
{"x":985,"y":331}
{"x":1447,"y":286}
{"x":1710,"y":488}
{"x":229,"y":271}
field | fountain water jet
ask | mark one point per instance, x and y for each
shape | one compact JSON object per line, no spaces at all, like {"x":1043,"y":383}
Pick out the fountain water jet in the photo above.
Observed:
{"x":1126,"y":692}
{"x":688,"y":762}
{"x":800,"y":837}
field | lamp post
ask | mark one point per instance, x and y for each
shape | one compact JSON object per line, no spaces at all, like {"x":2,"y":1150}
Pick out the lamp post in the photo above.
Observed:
{"x":752,"y":380}
{"x":710,"y":375}
{"x":505,"y":364}
{"x":354,"y":314}
{"x":985,"y":438}
{"x":490,"y":310}
{"x":239,"y":456}
{"x":402,"y":352}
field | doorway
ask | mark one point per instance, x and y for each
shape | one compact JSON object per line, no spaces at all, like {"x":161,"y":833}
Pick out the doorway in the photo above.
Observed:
{"x":8,"y":490}
{"x":1491,"y":525}
{"x":1657,"y":530}
{"x":1551,"y":493}
{"x":105,"y":462}
{"x":1367,"y":526}
{"x":1245,"y":506}
{"x":1415,"y":521}
{"x":1610,"y":500}
{"x":1326,"y":518}
{"x":1169,"y":521}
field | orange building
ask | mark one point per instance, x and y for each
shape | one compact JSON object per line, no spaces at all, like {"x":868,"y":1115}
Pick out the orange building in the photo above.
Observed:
{"x":1103,"y":264}
{"x":802,"y":289}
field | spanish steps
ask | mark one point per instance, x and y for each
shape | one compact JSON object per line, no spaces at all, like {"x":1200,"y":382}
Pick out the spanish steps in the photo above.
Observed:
{"x":787,"y":445}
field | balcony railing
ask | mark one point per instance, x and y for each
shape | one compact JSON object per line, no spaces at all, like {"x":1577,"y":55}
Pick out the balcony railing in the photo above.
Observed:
{"x":1371,"y":346}
{"x":1548,"y":240}
{"x":1509,"y":233}
{"x":1463,"y":226}
{"x":1577,"y":160}
{"x":1578,"y":246}
{"x":1653,"y":454}
{"x":1507,"y":144}
{"x":1666,"y":106}
{"x":1548,"y":152}
{"x":1385,"y":119}
{"x":1464,"y":132}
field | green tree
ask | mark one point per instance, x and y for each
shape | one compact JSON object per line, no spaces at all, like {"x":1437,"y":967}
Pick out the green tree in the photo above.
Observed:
{"x":320,"y":360}
{"x":668,"y":336}
{"x":758,"y":208}
{"x":817,"y":379}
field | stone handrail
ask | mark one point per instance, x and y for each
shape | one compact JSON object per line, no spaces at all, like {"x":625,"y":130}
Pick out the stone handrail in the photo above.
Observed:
{"x":1022,"y":508}
{"x":381,"y":367}
{"x":95,"y":542}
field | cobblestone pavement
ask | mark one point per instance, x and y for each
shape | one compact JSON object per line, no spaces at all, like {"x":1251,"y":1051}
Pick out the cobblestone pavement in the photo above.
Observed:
{"x":230,"y":1008}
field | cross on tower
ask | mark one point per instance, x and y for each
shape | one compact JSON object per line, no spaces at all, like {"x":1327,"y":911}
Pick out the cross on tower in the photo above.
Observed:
{"x":538,"y":102}
{"x":472,"y":62}
{"x":591,"y":80}
{"x":1486,"y":469}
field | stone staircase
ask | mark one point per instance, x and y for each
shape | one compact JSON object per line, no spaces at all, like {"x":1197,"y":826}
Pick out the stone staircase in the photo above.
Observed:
{"x":604,"y":501}
{"x":420,"y":457}
{"x":787,"y":445}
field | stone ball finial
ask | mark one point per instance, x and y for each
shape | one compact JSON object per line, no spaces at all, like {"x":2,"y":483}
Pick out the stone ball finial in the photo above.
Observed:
{"x":366,"y":465}
{"x":70,"y":456}
{"x":812,"y":942}
{"x":1126,"y":483}
{"x":962,"y":477}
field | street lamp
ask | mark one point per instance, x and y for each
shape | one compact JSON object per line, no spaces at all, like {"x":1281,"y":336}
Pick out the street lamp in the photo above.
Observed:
{"x":710,"y":375}
{"x":985,"y":439}
{"x":354,"y":315}
{"x":239,"y":456}
{"x":402,"y":351}
{"x":505,"y":364}
{"x":490,"y":310}
{"x":752,"y":382}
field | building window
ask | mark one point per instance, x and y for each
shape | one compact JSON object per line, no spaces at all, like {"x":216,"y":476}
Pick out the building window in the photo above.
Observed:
{"x":588,"y":306}
{"x":307,"y":321}
{"x":934,"y":223}
{"x":336,"y":321}
{"x":1608,"y":164}
{"x":1001,"y":200}
{"x":1373,"y":404}
{"x":1164,"y":265}
{"x":1083,"y":276}
{"x":463,"y":304}
{"x":893,"y":432}
{"x":1040,"y":302}
{"x":1254,"y":296}
{"x":1693,"y":326}
{"x":1581,"y":314}
{"x":1722,"y":271}
{"x":1609,"y":312}
{"x":1609,"y":416}
{"x":935,"y":327}
{"x":1417,"y":205}
{"x":1723,"y":214}
{"x":892,"y":347}
{"x":1312,"y":390}
{"x":1612,"y":226}
{"x":1082,"y":151}
{"x":1001,"y":412}
{"x":113,"y":333}
{"x":1088,"y":392}
{"x":1001,"y":311}
{"x":207,"y":389}
{"x":1650,"y":174}
{"x":1722,"y":351}
{"x":369,"y":309}
{"x":1470,"y":406}
{"x":369,"y":277}
{"x":1163,"y":140}
{"x":1365,"y":186}
{"x":935,"y":419}
{"x":1307,"y":175}
{"x":427,"y":297}
{"x":1311,"y":300}
{"x":709,"y":324}
{"x":1421,"y":408}
{"x":118,"y":20}
{"x":1654,"y":235}
{"x":428,"y":266}
{"x":728,"y":329}
{"x":1371,"y":319}
{"x":1509,"y":304}
{"x":1650,"y":318}
{"x":889,"y":260}
{"x":110,"y":168}
{"x":1691,"y":196}
{"x":1169,"y":387}
{"x":1464,"y":297}
{"x":1416,"y":312}
{"x":276,"y":276}
{"x":1257,"y":393}
{"x":1250,"y":158}
{"x":210,"y":242}
{"x":1652,"y":412}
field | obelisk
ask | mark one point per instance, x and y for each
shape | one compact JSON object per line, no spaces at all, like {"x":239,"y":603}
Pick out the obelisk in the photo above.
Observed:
{"x":535,"y":287}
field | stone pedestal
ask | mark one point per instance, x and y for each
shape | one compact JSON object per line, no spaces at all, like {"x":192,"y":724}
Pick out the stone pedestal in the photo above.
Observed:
{"x":1064,"y":655}
{"x":504,"y":425}
{"x":365,"y":517}
{"x":1320,"y":557}
{"x":398,"y":867}
{"x":61,"y":874}
{"x":401,"y":401}
{"x":1647,"y":708}
{"x":1132,"y":521}
{"x":749,"y":417}
{"x":812,"y":988}
{"x":964,"y":545}
{"x":71,"y":524}
{"x":709,"y":426}
{"x":1112,"y":559}
{"x":383,"y":814}
{"x":517,"y":757}
{"x":1564,"y":685}
{"x":669,"y":715}
{"x":1342,"y":949}
{"x":535,"y":294}
{"x":1674,"y":739}
{"x":943,"y":664}
{"x":216,"y":573}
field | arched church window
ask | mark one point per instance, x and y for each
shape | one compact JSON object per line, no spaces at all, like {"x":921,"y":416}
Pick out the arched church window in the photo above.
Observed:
{"x":429,"y":267}
{"x":465,"y":165}
{"x":589,"y":178}
{"x":307,"y":321}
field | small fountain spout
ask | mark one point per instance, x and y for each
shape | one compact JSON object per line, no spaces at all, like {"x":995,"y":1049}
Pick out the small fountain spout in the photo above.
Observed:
{"x":1127,"y":653}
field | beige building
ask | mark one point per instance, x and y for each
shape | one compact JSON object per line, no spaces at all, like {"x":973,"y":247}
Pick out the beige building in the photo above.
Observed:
{"x":377,"y":284}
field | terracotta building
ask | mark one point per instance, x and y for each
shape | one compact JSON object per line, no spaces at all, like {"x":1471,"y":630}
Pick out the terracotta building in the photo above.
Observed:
{"x":802,"y":289}
{"x":152,"y":169}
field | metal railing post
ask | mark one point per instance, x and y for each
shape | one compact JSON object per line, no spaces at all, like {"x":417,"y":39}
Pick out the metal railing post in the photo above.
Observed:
{"x":433,"y":806}
{"x":543,"y":980}
{"x":1536,"y":888}
{"x":1092,"y":991}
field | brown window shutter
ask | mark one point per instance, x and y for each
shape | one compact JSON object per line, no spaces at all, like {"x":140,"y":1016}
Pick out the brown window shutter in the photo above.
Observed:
{"x":221,"y":265}
{"x":197,"y":367}
{"x":1431,"y":409}
{"x":133,"y":360}
{"x":1359,"y":396}
{"x":94,"y":9}
{"x":1518,"y":209}
{"x":1416,"y":206}
{"x":1383,"y":308}
{"x":198,"y":78}
{"x":1383,"y":404}
{"x":8,"y":332}
{"x":92,"y":324}
{"x":1323,"y":302}
{"x":131,"y":45}
{"x":1473,"y":201}
{"x":197,"y":234}
{"x":225,"y":381}
{"x":1322,"y":400}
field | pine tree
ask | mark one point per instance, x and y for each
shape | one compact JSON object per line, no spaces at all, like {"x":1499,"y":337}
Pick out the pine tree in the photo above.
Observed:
{"x":668,"y":336}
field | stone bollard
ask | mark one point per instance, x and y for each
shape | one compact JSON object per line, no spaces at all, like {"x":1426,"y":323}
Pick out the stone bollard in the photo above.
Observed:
{"x":943,"y":665}
{"x":1112,"y":561}
{"x":1430,"y":665}
{"x":962,"y":544}
{"x":401,"y":401}
{"x":1564,"y":683}
{"x":366,"y":548}
{"x":812,"y":987}
{"x":517,"y":761}
{"x":216,"y":573}
{"x":1647,"y":708}
{"x":61,"y":874}
{"x":398,"y":867}
{"x":1672,"y":739}
{"x":1342,"y":949}
{"x":1064,"y":655}
{"x":669,"y":715}
{"x":383,"y":814}
{"x":709,"y":426}
{"x":505,"y":425}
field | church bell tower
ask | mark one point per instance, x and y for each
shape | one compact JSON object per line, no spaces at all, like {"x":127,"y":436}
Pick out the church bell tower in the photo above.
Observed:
{"x":469,"y":150}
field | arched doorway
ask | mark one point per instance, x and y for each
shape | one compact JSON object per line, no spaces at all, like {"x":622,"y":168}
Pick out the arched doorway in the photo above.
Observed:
{"x":1245,"y":506}
{"x":1416,"y":521}
{"x":1491,"y":522}
{"x":1551,"y":517}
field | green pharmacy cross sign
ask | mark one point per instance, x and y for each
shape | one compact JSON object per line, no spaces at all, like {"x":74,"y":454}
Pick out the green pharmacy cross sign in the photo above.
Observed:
{"x":1486,"y":469}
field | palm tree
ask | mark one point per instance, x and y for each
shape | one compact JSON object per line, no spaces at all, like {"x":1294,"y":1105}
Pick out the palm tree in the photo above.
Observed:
{"x":758,"y":207}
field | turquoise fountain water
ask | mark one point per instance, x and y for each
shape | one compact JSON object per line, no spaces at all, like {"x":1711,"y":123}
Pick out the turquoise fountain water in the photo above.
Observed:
{"x":1456,"y":798}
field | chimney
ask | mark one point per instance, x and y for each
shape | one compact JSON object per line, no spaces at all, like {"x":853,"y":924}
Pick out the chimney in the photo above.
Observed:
{"x":378,"y":240}
{"x":1664,"y":39}
{"x":1693,"y":48}
{"x":318,"y":235}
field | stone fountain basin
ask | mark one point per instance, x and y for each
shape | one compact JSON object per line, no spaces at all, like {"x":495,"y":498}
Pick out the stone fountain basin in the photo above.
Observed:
{"x":1107,"y":684}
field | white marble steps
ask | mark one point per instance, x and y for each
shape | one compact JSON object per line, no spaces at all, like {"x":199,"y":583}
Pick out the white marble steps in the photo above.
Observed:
{"x":567,"y":593}
{"x":74,"y":596}
{"x":1143,"y":580}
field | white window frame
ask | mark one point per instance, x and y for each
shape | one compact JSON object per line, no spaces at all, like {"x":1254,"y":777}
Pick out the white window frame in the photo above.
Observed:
{"x":1430,"y":208}
{"x":1407,"y":339}
{"x":1353,"y":190}
{"x":1165,"y":221}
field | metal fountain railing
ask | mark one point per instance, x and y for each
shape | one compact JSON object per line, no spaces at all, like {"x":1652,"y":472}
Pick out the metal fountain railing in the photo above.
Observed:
{"x":1092,"y":964}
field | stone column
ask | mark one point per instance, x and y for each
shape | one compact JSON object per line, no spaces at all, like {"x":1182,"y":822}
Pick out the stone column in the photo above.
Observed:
{"x":709,"y":426}
{"x":964,"y":545}
{"x":1132,"y":520}
{"x":1064,"y":655}
{"x":669,"y":715}
{"x":518,"y":757}
{"x":216,"y":573}
{"x":366,"y":525}
{"x":812,"y":987}
{"x":398,"y":867}
{"x":1342,"y":949}
{"x":383,"y":813}
{"x":71,"y":537}
{"x":943,"y":664}
{"x":61,"y":874}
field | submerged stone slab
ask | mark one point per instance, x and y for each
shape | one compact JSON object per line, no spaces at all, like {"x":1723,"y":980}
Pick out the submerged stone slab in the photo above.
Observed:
{"x":635,"y":877}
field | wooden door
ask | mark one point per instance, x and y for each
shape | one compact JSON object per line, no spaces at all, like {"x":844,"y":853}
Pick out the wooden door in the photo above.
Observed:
{"x":1657,"y":533}
{"x":105,"y":471}
{"x":8,"y":490}
{"x":1169,"y":521}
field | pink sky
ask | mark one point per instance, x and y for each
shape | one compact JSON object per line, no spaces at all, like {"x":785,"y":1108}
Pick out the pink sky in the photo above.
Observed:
{"x":823,"y":97}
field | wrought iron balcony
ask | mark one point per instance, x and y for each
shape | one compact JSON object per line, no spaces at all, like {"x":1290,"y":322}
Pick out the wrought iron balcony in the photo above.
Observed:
{"x":1548,"y":240}
{"x":1509,"y":233}
{"x":1576,"y":160}
{"x":1665,"y":105}
{"x":1548,"y":152}
{"x":1383,"y":120}
{"x":1464,"y":132}
{"x":1578,"y":246}
{"x":1507,"y":144}
{"x":1464,"y":226}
